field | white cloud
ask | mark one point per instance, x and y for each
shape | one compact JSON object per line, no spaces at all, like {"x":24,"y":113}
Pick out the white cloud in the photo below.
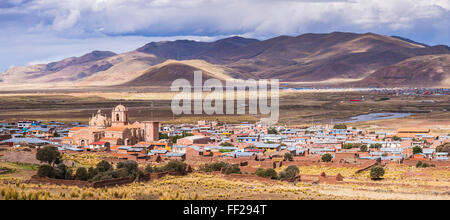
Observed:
{"x":84,"y":21}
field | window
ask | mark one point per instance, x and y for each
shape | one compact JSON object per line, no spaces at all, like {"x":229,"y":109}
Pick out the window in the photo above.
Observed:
{"x":117,"y":117}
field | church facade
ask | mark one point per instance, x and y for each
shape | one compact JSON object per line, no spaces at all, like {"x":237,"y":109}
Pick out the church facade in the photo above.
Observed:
{"x":115,"y":130}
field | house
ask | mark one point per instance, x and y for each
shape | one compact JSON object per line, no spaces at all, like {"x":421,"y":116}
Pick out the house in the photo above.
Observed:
{"x":193,"y":140}
{"x":267,"y":147}
{"x":99,"y":145}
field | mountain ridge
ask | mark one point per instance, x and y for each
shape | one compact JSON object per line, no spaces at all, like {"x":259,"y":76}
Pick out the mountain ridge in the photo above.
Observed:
{"x":312,"y":57}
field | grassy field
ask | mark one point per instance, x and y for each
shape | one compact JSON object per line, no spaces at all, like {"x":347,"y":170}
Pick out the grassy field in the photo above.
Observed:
{"x":203,"y":186}
{"x":296,"y":108}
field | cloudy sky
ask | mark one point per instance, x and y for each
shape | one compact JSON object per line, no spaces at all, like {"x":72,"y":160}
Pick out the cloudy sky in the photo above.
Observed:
{"x":40,"y":31}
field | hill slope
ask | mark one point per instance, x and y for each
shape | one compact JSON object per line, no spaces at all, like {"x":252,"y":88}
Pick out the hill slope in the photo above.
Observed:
{"x":334,"y":57}
{"x":422,"y":71}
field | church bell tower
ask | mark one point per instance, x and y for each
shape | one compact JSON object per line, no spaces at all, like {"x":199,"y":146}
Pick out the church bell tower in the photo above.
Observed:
{"x":119,"y":116}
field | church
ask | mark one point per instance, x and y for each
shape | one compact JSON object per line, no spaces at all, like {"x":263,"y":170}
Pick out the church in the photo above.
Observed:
{"x":115,"y":130}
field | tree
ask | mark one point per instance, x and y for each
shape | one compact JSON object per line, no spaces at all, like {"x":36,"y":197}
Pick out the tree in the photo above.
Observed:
{"x":176,"y":166}
{"x":49,"y":155}
{"x":376,"y":172}
{"x":417,"y":150}
{"x":340,"y":126}
{"x":419,"y":164}
{"x":226,"y":144}
{"x":272,"y":130}
{"x":103,"y":166}
{"x":271,"y":173}
{"x":348,"y":146}
{"x":92,"y":172}
{"x":163,"y":136}
{"x":363,"y":148}
{"x":233,"y":169}
{"x":292,"y":171}
{"x":130,"y":166}
{"x":46,"y":171}
{"x":377,"y":146}
{"x":327,"y":158}
{"x":396,"y":138}
{"x":82,"y":174}
{"x":60,"y":171}
{"x":443,"y":148}
{"x":288,"y":156}
{"x":56,"y":134}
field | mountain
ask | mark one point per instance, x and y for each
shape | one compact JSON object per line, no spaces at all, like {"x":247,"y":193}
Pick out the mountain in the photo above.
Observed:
{"x":337,"y":57}
{"x":421,"y":71}
{"x":410,"y":41}
{"x":187,"y":50}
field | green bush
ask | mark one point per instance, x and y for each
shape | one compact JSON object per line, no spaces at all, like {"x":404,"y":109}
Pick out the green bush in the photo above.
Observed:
{"x":82,"y":174}
{"x":288,"y":156}
{"x":363,"y":148}
{"x":233,"y":169}
{"x":176,"y":166}
{"x":377,"y":146}
{"x":217,"y":166}
{"x":267,"y":173}
{"x":49,"y":154}
{"x":148,"y":169}
{"x":340,"y":126}
{"x":226,"y":144}
{"x":377,"y":172}
{"x":121,"y":173}
{"x":103,"y":166}
{"x":443,"y":148}
{"x":327,"y":158}
{"x":46,"y":171}
{"x":60,"y":171}
{"x":92,"y":172}
{"x":417,"y":150}
{"x":419,"y":164}
{"x":289,"y":172}
{"x":130,"y":166}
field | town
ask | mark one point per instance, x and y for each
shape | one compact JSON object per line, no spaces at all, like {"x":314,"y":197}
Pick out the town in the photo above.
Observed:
{"x":244,"y":151}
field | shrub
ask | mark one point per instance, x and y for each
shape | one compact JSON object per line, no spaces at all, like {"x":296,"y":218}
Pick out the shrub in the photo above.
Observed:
{"x":121,"y":173}
{"x":176,"y":166}
{"x":46,"y":171}
{"x":49,"y":155}
{"x":327,"y":157}
{"x":443,"y":148}
{"x":103,"y":166}
{"x":349,"y":146}
{"x":363,"y":148}
{"x":267,"y":173}
{"x":376,"y":172}
{"x":288,"y":156}
{"x":340,"y":126}
{"x":272,"y":130}
{"x":226,"y":144}
{"x":60,"y":171}
{"x":218,"y":166}
{"x":69,"y":174}
{"x":82,"y":174}
{"x":148,"y":169}
{"x":289,"y":172}
{"x":92,"y":172}
{"x":419,"y":164}
{"x":233,"y":169}
{"x":377,"y":146}
{"x":130,"y":166}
